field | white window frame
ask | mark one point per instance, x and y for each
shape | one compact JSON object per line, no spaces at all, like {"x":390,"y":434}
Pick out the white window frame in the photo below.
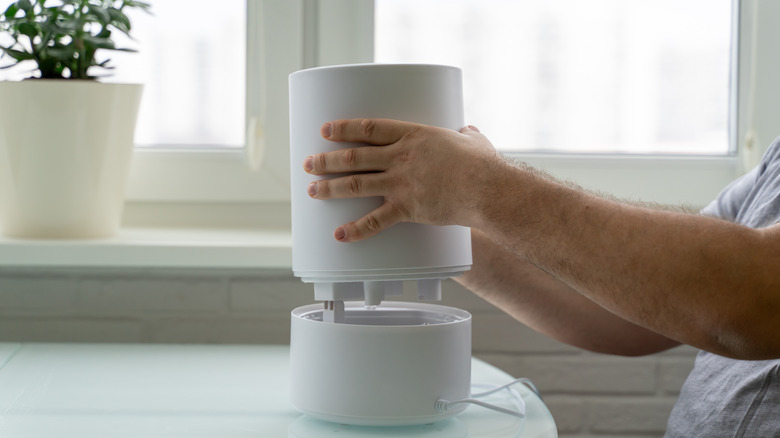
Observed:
{"x":259,"y":172}
{"x":282,"y":37}
{"x":288,"y":35}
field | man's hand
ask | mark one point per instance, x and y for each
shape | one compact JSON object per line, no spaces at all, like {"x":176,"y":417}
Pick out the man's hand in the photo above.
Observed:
{"x":425,"y":174}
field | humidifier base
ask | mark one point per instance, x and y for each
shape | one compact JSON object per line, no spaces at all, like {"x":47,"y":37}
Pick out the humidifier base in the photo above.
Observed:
{"x":382,"y":366}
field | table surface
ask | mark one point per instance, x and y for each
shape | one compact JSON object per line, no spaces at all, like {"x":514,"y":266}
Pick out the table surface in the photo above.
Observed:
{"x":160,"y":390}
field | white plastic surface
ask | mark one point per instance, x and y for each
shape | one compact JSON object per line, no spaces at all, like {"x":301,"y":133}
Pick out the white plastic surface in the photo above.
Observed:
{"x":429,"y":94}
{"x":429,"y":290}
{"x":65,"y":149}
{"x":383,"y":366}
{"x":374,"y":292}
{"x":183,"y":391}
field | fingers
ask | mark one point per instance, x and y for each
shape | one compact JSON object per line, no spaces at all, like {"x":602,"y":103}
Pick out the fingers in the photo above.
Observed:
{"x":395,"y":159}
{"x":372,"y":131}
{"x":361,"y":159}
{"x":362,"y":185}
{"x":352,"y":186}
{"x":377,"y":132}
{"x":369,"y":225}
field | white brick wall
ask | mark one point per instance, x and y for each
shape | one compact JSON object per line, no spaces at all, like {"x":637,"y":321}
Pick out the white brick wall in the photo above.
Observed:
{"x":589,"y":395}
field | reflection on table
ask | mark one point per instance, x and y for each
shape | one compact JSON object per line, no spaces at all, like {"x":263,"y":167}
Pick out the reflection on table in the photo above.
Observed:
{"x":154,"y":390}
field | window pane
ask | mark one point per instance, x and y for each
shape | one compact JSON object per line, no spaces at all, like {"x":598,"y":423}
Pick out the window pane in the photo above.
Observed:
{"x":636,"y":76}
{"x":191,"y":58}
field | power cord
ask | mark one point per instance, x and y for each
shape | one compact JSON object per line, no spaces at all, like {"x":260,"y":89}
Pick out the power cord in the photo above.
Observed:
{"x":524,"y":380}
{"x":443,"y":405}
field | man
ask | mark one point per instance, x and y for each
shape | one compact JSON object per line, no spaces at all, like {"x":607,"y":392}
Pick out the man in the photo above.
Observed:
{"x":595,"y":273}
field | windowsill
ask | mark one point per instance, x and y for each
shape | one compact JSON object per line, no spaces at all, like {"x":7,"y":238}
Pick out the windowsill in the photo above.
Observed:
{"x":220,"y":236}
{"x":165,"y":248}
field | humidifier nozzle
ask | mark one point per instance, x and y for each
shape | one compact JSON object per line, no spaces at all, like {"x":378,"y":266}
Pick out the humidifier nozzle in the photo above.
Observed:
{"x":429,"y":289}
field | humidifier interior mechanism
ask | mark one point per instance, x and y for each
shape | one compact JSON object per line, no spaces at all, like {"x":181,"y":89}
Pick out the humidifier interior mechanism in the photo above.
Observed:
{"x":357,"y":358}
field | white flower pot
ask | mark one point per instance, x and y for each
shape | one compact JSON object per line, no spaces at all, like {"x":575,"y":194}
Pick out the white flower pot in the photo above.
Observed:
{"x":65,"y":150}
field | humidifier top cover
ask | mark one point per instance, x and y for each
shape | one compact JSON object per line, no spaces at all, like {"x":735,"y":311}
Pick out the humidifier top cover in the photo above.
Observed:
{"x":419,"y":93}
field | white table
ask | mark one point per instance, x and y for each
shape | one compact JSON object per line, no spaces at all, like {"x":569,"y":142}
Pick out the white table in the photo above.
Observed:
{"x":154,"y":390}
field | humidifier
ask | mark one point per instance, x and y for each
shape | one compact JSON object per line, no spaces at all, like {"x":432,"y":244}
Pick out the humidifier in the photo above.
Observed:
{"x":357,"y":358}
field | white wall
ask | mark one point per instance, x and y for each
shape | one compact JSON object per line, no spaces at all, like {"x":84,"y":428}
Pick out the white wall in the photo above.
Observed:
{"x":589,"y":395}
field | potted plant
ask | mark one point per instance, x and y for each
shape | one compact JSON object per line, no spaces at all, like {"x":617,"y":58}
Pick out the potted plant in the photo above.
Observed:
{"x":66,"y":138}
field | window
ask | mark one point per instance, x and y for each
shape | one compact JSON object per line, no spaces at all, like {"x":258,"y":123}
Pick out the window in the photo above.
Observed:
{"x":634,"y":98}
{"x":546,"y":129}
{"x":192,"y":129}
{"x":589,"y":76}
{"x":192,"y":61}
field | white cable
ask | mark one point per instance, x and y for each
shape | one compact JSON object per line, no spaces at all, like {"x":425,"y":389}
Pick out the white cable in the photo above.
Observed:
{"x":524,"y":380}
{"x":443,"y":405}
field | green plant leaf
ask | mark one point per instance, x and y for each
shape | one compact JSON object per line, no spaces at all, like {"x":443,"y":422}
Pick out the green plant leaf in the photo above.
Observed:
{"x":25,"y":5}
{"x":120,"y":20}
{"x":71,"y":24}
{"x":64,"y":35}
{"x":136,"y":4}
{"x":99,"y":43}
{"x":18,"y":55}
{"x":100,"y":13}
{"x":60,"y":52}
{"x":54,"y":30}
{"x":11,"y":11}
{"x":28,"y":29}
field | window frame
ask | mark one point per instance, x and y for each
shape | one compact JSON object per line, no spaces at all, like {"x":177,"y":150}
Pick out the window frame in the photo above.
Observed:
{"x":287,"y":35}
{"x":282,"y":37}
{"x":695,"y":180}
{"x":257,"y":172}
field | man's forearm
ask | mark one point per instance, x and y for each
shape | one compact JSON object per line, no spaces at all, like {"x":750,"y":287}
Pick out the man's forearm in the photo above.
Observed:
{"x":698,"y":280}
{"x":551,"y":307}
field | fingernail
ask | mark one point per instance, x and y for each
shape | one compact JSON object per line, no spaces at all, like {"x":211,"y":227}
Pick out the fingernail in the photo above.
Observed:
{"x":312,"y":189}
{"x":327,"y":130}
{"x":308,"y":164}
{"x":474,"y":128}
{"x":340,"y":234}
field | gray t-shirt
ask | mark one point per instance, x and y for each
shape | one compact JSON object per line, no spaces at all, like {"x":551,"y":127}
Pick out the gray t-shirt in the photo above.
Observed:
{"x":726,"y":397}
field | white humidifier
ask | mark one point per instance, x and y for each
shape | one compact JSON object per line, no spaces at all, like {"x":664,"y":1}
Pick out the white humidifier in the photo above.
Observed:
{"x":369,"y":361}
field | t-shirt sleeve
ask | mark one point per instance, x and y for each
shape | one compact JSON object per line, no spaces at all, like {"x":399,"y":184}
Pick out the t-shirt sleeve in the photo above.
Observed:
{"x":729,"y":202}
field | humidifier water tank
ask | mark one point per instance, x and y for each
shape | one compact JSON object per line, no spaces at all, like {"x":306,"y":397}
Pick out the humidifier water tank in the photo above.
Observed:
{"x":380,"y":367}
{"x":426,"y":94}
